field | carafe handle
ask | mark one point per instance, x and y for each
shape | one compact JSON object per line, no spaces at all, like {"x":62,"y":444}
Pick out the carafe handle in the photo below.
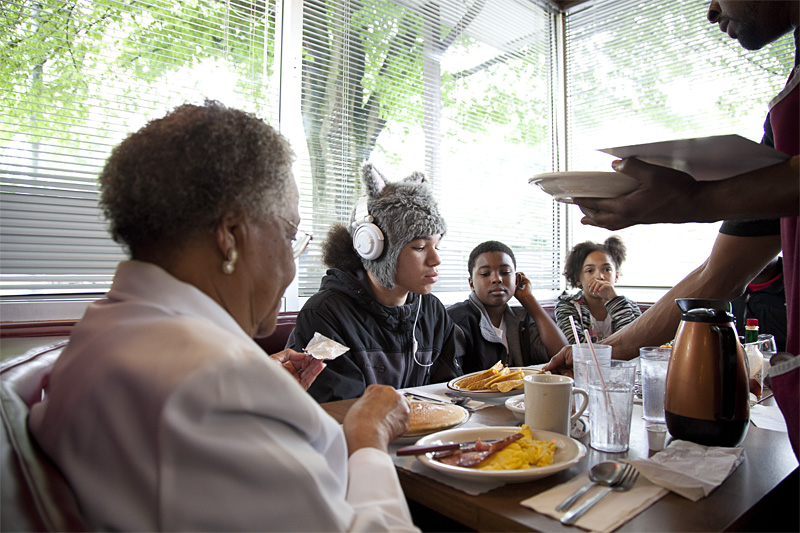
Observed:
{"x":727,"y":367}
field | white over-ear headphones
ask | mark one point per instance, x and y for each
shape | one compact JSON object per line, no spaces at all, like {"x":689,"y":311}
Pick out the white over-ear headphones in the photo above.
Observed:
{"x":367,"y":237}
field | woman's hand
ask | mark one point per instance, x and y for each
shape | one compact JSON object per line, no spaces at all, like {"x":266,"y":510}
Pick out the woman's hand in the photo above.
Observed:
{"x":377,"y":418}
{"x":602,"y":289}
{"x":304,"y":368}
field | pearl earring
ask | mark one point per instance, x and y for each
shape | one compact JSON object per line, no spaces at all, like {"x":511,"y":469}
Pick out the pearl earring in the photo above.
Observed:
{"x":229,"y":265}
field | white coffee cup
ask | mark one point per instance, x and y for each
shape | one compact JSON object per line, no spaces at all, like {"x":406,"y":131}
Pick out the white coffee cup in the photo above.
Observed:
{"x":548,"y":402}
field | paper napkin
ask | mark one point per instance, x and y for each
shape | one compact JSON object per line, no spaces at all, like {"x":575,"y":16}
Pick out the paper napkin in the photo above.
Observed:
{"x":690,"y":469}
{"x":608,"y":514}
{"x":768,"y":417}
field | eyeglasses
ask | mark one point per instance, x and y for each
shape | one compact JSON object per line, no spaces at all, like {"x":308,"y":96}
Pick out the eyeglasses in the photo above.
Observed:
{"x":300,"y":240}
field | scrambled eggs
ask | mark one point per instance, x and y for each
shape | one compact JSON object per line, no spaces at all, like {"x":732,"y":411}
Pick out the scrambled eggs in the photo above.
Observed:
{"x":525,"y":453}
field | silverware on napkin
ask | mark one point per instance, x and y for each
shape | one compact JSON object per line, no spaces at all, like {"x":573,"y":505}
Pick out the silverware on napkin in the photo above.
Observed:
{"x":625,"y":482}
{"x":461,"y":402}
{"x":606,"y":473}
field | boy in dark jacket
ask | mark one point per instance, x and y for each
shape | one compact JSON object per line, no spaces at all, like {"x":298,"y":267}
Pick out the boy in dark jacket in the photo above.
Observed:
{"x":495,"y":331}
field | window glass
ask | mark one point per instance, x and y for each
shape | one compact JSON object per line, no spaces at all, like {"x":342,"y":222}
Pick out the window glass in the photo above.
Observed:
{"x":460,"y":92}
{"x":75,"y":78}
{"x":657,"y":71}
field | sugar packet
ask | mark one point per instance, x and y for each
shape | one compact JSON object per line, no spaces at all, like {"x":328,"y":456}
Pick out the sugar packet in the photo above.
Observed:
{"x":321,"y":347}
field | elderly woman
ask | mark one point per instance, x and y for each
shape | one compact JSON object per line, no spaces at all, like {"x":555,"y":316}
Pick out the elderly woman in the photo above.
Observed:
{"x":163,"y":413}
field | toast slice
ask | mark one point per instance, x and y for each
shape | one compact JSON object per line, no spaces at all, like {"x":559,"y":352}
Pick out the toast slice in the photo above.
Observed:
{"x":486,"y":375}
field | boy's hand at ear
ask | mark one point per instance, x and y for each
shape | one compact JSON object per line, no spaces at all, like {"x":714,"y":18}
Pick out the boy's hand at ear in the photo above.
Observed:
{"x":523,"y":291}
{"x":551,"y":335}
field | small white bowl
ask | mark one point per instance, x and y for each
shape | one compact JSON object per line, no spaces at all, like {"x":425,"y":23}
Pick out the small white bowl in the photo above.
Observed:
{"x":516,"y":404}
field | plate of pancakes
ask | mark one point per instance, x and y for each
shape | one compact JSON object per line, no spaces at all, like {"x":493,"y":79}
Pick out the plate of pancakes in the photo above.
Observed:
{"x":426,"y":418}
{"x":495,"y":382}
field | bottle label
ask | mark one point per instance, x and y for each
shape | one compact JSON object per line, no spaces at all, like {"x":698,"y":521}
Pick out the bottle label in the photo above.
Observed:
{"x":755,"y":364}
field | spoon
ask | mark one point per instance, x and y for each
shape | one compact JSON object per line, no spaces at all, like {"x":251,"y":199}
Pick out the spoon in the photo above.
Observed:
{"x":605,"y":473}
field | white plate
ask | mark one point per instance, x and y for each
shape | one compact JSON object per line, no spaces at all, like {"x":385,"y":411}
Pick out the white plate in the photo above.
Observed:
{"x":566,"y":186}
{"x":568,"y":452}
{"x":490,"y":393}
{"x":516,"y":404}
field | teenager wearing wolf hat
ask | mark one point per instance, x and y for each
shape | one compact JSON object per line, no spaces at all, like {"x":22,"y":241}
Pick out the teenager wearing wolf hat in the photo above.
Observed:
{"x":376,"y":300}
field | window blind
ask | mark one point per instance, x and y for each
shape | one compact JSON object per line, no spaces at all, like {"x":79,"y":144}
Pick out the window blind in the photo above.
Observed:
{"x":75,"y":79}
{"x":458,"y":90}
{"x":461,"y":91}
{"x":657,"y":71}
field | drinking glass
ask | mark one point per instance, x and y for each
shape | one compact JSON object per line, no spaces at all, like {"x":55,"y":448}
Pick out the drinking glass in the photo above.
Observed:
{"x":766,"y":343}
{"x":611,"y":399}
{"x":583,"y":363}
{"x":654,"y":360}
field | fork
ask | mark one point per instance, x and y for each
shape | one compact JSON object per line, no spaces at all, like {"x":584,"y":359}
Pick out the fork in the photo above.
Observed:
{"x":461,"y":402}
{"x":625,"y":482}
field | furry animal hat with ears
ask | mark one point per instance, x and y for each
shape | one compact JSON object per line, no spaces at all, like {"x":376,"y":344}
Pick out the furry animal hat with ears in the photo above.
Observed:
{"x":403,"y":211}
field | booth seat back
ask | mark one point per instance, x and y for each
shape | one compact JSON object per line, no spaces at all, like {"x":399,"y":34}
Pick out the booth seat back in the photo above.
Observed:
{"x":286,"y":321}
{"x":35,"y":496}
{"x":277,"y":341}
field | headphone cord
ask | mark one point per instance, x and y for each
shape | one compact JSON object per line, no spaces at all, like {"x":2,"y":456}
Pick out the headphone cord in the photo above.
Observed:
{"x":414,"y":335}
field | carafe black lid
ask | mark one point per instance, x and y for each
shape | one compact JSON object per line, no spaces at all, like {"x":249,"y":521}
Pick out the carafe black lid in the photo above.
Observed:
{"x":706,"y":314}
{"x":687,"y":304}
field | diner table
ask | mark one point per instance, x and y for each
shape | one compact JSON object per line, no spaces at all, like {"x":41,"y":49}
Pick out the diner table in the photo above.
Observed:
{"x":761,"y":494}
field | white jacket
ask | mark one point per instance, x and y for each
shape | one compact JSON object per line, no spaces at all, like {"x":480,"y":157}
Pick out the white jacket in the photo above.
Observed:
{"x":164,"y":415}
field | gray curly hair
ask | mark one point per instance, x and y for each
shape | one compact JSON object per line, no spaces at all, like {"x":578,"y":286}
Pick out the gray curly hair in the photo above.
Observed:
{"x":178,"y":174}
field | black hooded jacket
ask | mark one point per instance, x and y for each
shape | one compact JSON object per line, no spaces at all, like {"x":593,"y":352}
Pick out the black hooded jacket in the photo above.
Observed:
{"x":379,"y":337}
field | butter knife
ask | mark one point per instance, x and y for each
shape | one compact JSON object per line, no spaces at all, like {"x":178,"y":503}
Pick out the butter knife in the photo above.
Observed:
{"x":422,"y":449}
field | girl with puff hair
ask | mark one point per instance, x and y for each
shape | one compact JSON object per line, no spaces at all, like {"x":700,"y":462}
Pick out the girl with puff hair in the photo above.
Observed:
{"x":593,"y":268}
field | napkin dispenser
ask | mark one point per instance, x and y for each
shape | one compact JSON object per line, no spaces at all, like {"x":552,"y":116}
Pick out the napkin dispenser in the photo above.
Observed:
{"x":706,"y":397}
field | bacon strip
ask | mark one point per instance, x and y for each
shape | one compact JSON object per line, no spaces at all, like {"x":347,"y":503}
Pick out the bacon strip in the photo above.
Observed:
{"x":474,"y":455}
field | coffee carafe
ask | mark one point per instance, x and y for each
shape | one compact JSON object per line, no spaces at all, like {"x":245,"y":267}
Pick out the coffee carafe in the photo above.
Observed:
{"x":706,"y":398}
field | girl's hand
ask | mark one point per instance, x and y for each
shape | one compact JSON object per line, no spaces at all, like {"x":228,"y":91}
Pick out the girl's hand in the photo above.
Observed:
{"x":303,"y":367}
{"x":602,"y":289}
